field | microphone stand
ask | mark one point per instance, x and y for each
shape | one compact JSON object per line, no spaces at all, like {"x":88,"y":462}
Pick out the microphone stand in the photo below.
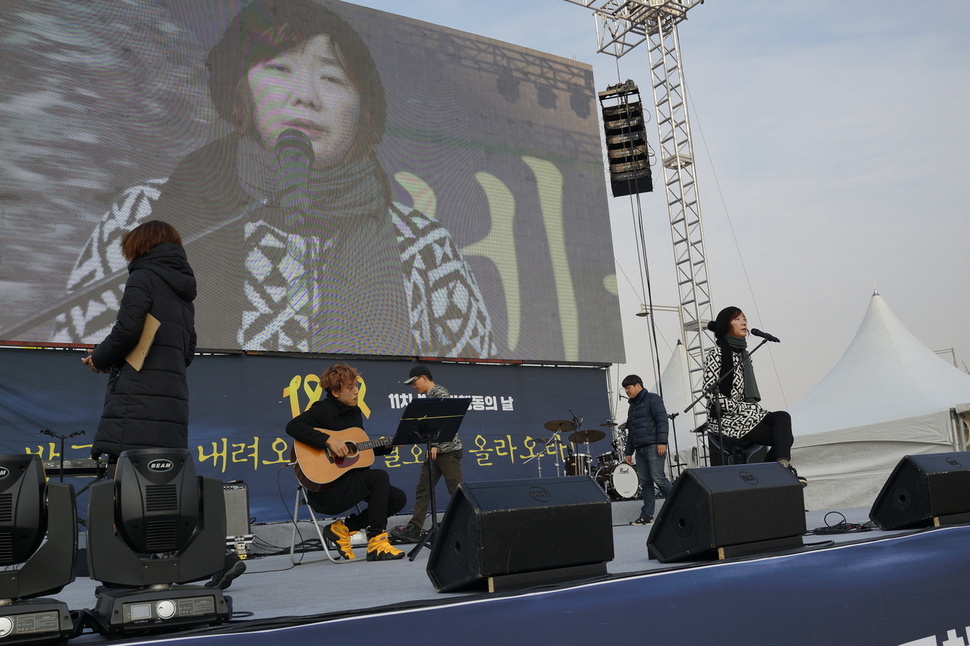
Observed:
{"x":62,"y":438}
{"x":432,"y":533}
{"x":676,"y":456}
{"x":709,"y":391}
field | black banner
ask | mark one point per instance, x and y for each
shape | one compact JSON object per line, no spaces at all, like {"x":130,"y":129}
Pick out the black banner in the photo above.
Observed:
{"x":239,"y":405}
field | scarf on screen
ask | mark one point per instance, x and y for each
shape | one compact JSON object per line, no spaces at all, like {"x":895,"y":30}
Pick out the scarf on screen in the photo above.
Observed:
{"x":731,"y":345}
{"x":339,"y":233}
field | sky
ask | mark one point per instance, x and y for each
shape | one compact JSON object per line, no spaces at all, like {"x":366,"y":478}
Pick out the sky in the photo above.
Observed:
{"x":831,"y":144}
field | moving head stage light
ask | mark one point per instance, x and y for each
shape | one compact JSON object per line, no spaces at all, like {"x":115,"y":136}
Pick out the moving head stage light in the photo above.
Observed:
{"x":38,"y":547}
{"x":153,"y":528}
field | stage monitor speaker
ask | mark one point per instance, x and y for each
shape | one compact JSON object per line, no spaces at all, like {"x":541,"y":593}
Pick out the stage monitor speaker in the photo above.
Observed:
{"x":508,"y":534}
{"x":727,"y":511}
{"x":925,"y":491}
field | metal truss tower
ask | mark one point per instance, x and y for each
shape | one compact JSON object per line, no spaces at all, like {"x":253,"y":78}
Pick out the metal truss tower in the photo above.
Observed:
{"x":622,"y":25}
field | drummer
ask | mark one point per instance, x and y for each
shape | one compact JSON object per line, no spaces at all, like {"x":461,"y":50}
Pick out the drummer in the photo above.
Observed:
{"x":646,"y":426}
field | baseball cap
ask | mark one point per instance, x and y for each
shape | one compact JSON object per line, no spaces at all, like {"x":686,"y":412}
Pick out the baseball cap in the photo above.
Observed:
{"x":417,"y":371}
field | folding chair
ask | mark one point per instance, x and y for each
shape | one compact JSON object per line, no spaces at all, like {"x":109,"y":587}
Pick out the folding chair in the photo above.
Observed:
{"x":315,"y":518}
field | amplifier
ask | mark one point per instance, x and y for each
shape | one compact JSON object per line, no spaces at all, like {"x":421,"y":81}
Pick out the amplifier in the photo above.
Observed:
{"x":238,"y":534}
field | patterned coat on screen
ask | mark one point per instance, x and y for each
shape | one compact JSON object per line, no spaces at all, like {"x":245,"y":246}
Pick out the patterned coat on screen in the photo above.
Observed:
{"x":392,"y":283}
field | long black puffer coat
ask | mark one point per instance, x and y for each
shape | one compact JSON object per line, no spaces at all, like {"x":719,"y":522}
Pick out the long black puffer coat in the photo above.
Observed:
{"x":149,"y":408}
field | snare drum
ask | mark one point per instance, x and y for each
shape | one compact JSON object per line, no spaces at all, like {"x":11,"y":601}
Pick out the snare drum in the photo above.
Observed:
{"x":578,"y":464}
{"x":620,"y":481}
{"x":604,"y":460}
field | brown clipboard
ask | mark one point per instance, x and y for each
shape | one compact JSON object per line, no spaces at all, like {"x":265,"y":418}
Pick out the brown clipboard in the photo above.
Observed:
{"x":136,"y":358}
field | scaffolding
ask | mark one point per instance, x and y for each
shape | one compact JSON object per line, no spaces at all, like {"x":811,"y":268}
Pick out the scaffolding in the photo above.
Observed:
{"x":622,"y":26}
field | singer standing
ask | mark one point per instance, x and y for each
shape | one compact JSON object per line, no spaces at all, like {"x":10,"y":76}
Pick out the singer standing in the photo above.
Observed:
{"x":733,"y":406}
{"x":646,"y":425}
{"x":289,"y":218}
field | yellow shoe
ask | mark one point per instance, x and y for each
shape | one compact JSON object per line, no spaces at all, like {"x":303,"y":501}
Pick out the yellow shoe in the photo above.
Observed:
{"x":379,"y":548}
{"x":337,"y":533}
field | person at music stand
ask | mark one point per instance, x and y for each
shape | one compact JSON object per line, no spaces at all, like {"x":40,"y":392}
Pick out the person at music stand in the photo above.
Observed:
{"x":445,"y":460}
{"x":339,"y":411}
{"x":733,"y":406}
{"x":646,"y":425}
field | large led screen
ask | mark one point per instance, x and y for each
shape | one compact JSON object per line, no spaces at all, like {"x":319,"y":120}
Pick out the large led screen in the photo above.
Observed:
{"x":344,"y":180}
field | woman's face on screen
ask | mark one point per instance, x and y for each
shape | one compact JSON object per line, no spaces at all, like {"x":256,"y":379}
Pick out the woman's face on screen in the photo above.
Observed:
{"x":307,"y":88}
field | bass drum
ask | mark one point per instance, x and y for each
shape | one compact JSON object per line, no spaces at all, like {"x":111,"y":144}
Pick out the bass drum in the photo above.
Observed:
{"x":619,"y":481}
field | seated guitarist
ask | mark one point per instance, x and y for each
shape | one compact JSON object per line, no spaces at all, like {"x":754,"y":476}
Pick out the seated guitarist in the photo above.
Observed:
{"x":338,"y":411}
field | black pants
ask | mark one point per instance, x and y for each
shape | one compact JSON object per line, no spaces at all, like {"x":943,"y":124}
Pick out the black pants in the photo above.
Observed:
{"x":774,"y":431}
{"x":372,"y":486}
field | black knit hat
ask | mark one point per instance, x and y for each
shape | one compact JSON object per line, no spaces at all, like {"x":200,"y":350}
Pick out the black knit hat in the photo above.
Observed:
{"x":720,"y":325}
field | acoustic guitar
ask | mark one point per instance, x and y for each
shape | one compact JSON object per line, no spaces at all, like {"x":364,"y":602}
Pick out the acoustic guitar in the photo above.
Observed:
{"x":317,"y":468}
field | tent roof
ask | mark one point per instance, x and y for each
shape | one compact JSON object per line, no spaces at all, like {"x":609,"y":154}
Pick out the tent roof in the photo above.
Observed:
{"x":677,"y":396}
{"x":886,"y":373}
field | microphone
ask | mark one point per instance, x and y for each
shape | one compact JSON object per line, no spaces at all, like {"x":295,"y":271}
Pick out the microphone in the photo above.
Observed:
{"x":765,"y":335}
{"x":624,"y":397}
{"x":578,"y":420}
{"x":294,"y":155}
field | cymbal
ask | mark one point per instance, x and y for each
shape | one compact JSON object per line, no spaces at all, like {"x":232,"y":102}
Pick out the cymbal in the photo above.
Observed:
{"x":587,"y":437}
{"x":609,"y":424}
{"x":560,"y":425}
{"x":622,"y":426}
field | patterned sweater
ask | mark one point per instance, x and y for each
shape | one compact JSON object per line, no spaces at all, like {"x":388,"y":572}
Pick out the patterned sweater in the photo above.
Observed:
{"x":737,"y":416}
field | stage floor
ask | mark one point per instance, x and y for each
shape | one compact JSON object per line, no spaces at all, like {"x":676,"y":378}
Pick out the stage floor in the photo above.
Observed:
{"x":276,"y":591}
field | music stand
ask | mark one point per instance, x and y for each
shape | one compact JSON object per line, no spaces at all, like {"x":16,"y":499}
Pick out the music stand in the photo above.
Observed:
{"x":427,"y":420}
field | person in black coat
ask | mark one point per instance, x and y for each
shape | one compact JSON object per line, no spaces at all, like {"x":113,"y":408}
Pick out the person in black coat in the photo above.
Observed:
{"x":148,"y":407}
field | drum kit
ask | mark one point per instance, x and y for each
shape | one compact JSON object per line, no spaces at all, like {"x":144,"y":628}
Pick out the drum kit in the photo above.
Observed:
{"x":610,"y":471}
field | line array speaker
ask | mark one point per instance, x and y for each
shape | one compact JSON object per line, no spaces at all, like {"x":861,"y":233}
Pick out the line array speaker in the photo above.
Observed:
{"x":627,"y":154}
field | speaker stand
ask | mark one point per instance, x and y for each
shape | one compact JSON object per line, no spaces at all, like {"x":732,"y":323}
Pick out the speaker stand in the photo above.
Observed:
{"x":759,"y":547}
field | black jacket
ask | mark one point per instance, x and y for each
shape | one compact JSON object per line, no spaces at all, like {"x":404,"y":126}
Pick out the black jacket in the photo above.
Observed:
{"x":646,"y":422}
{"x":331,"y":414}
{"x":149,"y":408}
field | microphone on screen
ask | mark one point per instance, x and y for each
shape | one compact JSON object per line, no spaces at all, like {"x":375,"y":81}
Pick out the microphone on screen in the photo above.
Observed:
{"x":294,"y":154}
{"x":765,"y":336}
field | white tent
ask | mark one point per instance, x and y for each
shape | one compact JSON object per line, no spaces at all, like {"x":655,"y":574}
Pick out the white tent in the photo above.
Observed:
{"x":677,"y":396}
{"x":888,"y":396}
